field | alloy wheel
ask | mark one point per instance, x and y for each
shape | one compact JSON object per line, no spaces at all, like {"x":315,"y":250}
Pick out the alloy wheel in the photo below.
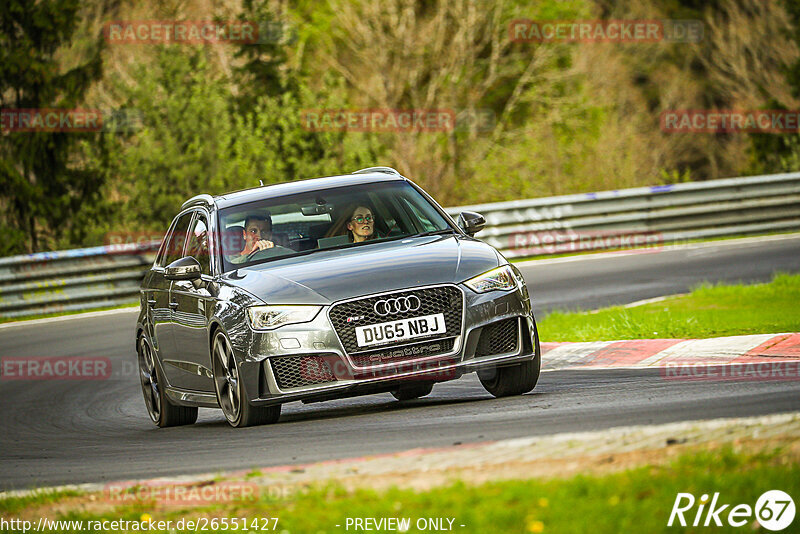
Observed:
{"x":149,"y":380}
{"x":226,"y":378}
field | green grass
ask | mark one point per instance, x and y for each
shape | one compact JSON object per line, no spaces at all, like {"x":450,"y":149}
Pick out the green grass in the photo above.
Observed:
{"x":708,"y":311}
{"x":637,"y":500}
{"x":13,"y":505}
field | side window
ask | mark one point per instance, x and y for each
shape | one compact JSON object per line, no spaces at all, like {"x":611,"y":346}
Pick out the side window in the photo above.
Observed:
{"x":427,"y":225}
{"x":198,"y":243}
{"x":162,"y":250}
{"x":404,"y":221}
{"x":176,"y":240}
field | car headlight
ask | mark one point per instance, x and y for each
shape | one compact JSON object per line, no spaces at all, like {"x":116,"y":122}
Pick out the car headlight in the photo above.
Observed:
{"x":501,"y":279}
{"x":269,"y":317}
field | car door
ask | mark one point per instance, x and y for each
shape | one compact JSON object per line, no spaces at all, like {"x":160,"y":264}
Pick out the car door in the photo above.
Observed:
{"x":162,"y":311}
{"x":192,"y":305}
{"x":159,"y":314}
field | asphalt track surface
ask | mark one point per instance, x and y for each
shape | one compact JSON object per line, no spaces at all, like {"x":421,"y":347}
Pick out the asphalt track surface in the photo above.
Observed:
{"x":58,"y":432}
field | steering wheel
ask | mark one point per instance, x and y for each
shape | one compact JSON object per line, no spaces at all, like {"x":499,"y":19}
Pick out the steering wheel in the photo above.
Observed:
{"x":268,"y":251}
{"x":250,"y":256}
{"x":389,"y":231}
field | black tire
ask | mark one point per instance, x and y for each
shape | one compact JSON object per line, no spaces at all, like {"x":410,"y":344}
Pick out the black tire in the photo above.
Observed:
{"x":161,"y":410}
{"x":514,"y":379}
{"x":258,"y":415}
{"x":230,"y":389}
{"x":412,"y":391}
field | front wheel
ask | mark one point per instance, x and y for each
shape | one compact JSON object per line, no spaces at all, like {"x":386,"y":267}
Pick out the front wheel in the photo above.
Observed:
{"x":229,"y":387}
{"x":162,"y":412}
{"x":514,"y":379}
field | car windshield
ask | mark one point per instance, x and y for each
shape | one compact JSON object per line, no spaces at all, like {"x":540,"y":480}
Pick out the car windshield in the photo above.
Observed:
{"x":305,"y":223}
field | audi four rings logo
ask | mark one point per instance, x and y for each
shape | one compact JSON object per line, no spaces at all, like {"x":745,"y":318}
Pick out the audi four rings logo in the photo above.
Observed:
{"x":398,"y":305}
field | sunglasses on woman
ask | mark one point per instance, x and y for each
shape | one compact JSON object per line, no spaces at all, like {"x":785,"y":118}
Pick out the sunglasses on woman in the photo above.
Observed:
{"x":362,"y":220}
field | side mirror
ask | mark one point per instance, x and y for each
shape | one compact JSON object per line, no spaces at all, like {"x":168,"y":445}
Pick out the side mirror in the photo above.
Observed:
{"x":471,"y":222}
{"x":186,"y":268}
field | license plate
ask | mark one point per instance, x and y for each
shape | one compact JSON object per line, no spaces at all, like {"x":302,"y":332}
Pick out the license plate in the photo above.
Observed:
{"x":400,"y":330}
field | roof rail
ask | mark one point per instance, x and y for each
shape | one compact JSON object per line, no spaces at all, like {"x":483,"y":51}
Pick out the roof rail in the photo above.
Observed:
{"x":204,"y":199}
{"x":369,"y":170}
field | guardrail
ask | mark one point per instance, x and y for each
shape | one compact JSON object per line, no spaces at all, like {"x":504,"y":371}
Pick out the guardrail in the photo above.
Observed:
{"x":73,"y":280}
{"x":644,"y":216}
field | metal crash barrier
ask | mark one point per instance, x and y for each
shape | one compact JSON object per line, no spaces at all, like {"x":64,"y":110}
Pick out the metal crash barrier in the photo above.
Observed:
{"x":73,"y":280}
{"x":643,"y":216}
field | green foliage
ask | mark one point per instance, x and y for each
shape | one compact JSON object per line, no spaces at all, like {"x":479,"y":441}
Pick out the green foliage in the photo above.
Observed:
{"x":263,"y":72}
{"x":41,"y":187}
{"x":184,"y":146}
{"x":569,"y":117}
{"x":674,"y":177}
{"x":793,"y":74}
{"x":781,"y":153}
{"x":195,"y":138}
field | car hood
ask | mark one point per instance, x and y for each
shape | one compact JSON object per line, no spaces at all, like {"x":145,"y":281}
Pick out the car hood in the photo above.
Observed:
{"x":328,"y":276}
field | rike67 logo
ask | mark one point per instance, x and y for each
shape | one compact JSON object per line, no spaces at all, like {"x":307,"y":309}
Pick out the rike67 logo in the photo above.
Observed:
{"x":774,"y":510}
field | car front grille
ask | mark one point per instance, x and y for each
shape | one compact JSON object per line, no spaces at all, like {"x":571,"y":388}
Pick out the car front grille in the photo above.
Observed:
{"x":302,"y":370}
{"x":345,"y":316}
{"x":498,"y":338}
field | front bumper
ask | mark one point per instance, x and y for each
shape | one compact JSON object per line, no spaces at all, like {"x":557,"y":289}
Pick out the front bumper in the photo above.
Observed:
{"x":318,"y":341}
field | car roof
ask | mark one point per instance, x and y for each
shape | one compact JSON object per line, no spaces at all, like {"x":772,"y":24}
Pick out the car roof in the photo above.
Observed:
{"x":236,"y":198}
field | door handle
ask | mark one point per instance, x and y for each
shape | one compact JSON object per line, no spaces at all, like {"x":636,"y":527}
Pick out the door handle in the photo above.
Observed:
{"x":173,"y":305}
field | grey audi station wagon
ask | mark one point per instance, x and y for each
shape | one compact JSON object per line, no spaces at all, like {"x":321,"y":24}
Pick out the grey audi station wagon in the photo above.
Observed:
{"x":323,"y":289}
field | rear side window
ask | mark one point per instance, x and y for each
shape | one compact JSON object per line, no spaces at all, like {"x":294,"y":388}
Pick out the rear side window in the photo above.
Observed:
{"x":173,"y":249}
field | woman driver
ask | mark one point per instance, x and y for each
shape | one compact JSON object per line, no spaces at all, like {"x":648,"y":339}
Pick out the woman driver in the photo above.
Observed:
{"x":361,"y":225}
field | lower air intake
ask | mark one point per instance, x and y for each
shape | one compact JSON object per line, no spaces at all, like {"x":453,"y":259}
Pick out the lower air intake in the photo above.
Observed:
{"x":302,"y":370}
{"x":498,"y":338}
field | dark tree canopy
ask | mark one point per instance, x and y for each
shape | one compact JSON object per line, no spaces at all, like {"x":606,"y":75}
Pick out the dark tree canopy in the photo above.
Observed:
{"x":39,"y":184}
